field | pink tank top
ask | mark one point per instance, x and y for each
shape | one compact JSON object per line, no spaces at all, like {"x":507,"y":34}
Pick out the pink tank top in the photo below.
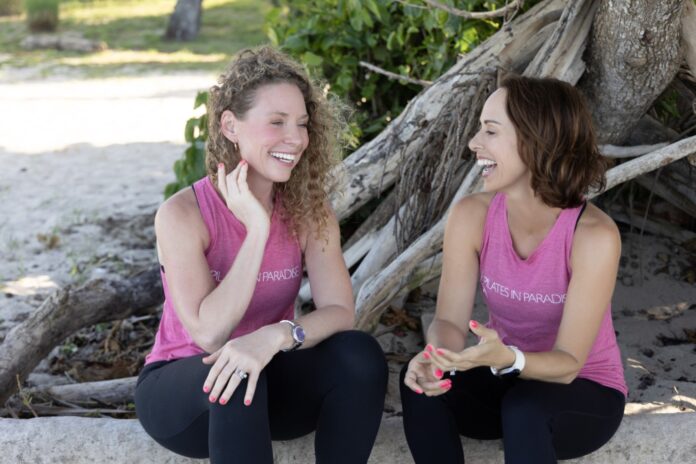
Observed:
{"x":525,"y":297}
{"x":277,"y":284}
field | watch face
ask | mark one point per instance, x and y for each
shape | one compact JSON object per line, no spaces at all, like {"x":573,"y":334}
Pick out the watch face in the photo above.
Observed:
{"x":298,"y":334}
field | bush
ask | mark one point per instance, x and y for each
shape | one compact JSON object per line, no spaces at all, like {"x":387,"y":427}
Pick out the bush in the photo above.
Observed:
{"x":332,"y":36}
{"x":10,"y":7}
{"x":191,"y":167}
{"x":42,"y":15}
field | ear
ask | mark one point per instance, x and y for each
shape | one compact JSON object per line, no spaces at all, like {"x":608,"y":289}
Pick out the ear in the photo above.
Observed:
{"x":228,"y":122}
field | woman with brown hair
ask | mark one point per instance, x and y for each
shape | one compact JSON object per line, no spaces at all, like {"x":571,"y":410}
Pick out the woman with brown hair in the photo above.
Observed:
{"x":232,"y":368}
{"x":546,"y":373}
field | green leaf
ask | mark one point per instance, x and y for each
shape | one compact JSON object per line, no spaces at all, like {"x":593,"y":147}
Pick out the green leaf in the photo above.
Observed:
{"x":311,"y":59}
{"x":188,"y":129}
{"x":201,"y":99}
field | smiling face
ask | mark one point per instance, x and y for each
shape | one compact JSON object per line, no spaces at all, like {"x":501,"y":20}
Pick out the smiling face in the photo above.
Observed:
{"x":495,"y":147}
{"x":272,"y":135}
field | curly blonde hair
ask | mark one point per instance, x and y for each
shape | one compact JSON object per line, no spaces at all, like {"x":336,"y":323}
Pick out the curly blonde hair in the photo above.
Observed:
{"x":305,"y":195}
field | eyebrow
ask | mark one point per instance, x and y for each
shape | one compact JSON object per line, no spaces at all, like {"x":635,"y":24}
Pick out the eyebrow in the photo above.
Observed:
{"x":491,"y":121}
{"x":281,"y":113}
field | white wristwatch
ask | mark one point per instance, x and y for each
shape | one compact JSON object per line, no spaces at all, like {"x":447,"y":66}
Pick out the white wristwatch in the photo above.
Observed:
{"x":516,"y":367}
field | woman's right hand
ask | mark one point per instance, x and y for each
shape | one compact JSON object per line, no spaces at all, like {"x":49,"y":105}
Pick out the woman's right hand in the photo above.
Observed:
{"x":243,"y":204}
{"x":424,"y":377}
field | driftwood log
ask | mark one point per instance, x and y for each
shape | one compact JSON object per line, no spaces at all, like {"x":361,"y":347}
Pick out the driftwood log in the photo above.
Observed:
{"x":67,"y":311}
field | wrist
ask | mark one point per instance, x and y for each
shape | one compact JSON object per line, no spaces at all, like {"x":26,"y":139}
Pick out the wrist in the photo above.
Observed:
{"x":507,"y":358}
{"x":280,"y":336}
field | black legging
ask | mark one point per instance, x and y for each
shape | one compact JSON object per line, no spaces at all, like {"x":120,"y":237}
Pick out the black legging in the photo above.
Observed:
{"x":336,"y":388}
{"x":539,"y":422}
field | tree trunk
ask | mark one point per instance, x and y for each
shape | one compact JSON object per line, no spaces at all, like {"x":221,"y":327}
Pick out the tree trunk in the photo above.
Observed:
{"x":634,"y":53}
{"x":67,"y":311}
{"x":185,"y":22}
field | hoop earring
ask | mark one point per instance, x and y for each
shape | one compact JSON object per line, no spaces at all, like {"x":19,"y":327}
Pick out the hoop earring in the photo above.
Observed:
{"x":235,"y":145}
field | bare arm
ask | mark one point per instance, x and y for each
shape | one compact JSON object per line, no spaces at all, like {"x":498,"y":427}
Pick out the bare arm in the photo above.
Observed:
{"x":460,"y":269}
{"x":594,"y":260}
{"x":209,"y":313}
{"x":330,"y":284}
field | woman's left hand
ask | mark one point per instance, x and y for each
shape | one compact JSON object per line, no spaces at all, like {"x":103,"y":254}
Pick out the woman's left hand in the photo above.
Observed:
{"x":490,"y":351}
{"x":247,"y":354}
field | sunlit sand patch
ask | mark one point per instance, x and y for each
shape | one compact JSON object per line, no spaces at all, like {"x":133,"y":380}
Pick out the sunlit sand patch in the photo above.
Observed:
{"x":29,"y":285}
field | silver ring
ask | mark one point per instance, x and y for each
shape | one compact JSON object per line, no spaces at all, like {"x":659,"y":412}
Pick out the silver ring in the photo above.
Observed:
{"x":242,"y":375}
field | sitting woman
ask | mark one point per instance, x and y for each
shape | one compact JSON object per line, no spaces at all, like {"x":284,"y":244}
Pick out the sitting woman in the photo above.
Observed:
{"x":231,"y":369}
{"x":546,"y":374}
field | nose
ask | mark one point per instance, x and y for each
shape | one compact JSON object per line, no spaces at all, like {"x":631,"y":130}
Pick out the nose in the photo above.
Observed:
{"x":295,"y":135}
{"x":474,"y":143}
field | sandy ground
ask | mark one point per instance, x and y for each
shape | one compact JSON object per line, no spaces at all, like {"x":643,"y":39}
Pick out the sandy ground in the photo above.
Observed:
{"x":83,"y":167}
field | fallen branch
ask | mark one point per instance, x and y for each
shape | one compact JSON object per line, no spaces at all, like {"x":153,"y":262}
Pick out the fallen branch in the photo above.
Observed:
{"x":613,"y":151}
{"x":68,"y":310}
{"x":649,"y":162}
{"x":394,"y":76}
{"x":116,"y":391}
{"x":513,"y":6}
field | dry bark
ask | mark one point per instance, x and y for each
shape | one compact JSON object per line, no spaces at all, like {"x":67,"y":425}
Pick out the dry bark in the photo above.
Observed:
{"x":65,"y":312}
{"x":634,"y":53}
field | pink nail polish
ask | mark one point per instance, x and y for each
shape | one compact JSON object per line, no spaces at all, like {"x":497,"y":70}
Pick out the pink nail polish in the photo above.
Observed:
{"x":247,"y":402}
{"x":445,"y":384}
{"x":223,"y":401}
{"x":206,"y":389}
{"x":429,"y":347}
{"x":212,"y":398}
{"x":438,"y":373}
{"x":439,"y":351}
{"x":473,"y":324}
{"x":220,"y":165}
{"x":419,"y":391}
{"x":426,"y":355}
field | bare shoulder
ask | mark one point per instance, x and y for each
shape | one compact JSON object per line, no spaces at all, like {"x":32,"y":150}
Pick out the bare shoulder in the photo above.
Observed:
{"x":179,"y":214}
{"x":596,"y":236}
{"x":328,"y":232}
{"x":466,"y":220}
{"x":471,"y":210}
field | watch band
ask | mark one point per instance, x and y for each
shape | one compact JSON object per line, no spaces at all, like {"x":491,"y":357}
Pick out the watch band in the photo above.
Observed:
{"x":297,"y":334}
{"x":516,"y":367}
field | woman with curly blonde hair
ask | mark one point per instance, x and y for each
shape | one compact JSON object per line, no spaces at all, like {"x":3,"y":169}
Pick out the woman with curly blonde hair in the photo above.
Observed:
{"x":231,"y":368}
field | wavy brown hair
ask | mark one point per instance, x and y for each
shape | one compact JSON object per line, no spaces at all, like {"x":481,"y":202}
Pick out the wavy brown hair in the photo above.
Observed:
{"x":304,"y":196}
{"x":555,"y":139}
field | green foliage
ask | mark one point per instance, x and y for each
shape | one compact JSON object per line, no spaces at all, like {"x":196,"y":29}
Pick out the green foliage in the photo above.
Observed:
{"x":191,"y":167}
{"x":331,"y":37}
{"x":42,"y":15}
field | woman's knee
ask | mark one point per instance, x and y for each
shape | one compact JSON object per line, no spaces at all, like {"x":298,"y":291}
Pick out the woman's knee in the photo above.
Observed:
{"x":524,"y":406}
{"x":358,"y":355}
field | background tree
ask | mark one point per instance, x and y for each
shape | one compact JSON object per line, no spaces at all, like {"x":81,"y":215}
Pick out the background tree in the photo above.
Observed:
{"x":185,"y":21}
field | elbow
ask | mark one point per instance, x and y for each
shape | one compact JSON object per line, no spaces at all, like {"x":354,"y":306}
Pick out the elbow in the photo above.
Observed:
{"x":349,"y":317}
{"x":568,"y":379}
{"x":208,"y":344}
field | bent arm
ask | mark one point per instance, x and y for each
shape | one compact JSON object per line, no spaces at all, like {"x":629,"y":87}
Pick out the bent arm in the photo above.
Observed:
{"x":594,"y":261}
{"x":208,"y":312}
{"x":460,"y":269}
{"x":330,"y":284}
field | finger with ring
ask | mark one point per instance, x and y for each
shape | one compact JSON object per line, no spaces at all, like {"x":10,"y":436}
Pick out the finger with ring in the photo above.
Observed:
{"x":242,"y":375}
